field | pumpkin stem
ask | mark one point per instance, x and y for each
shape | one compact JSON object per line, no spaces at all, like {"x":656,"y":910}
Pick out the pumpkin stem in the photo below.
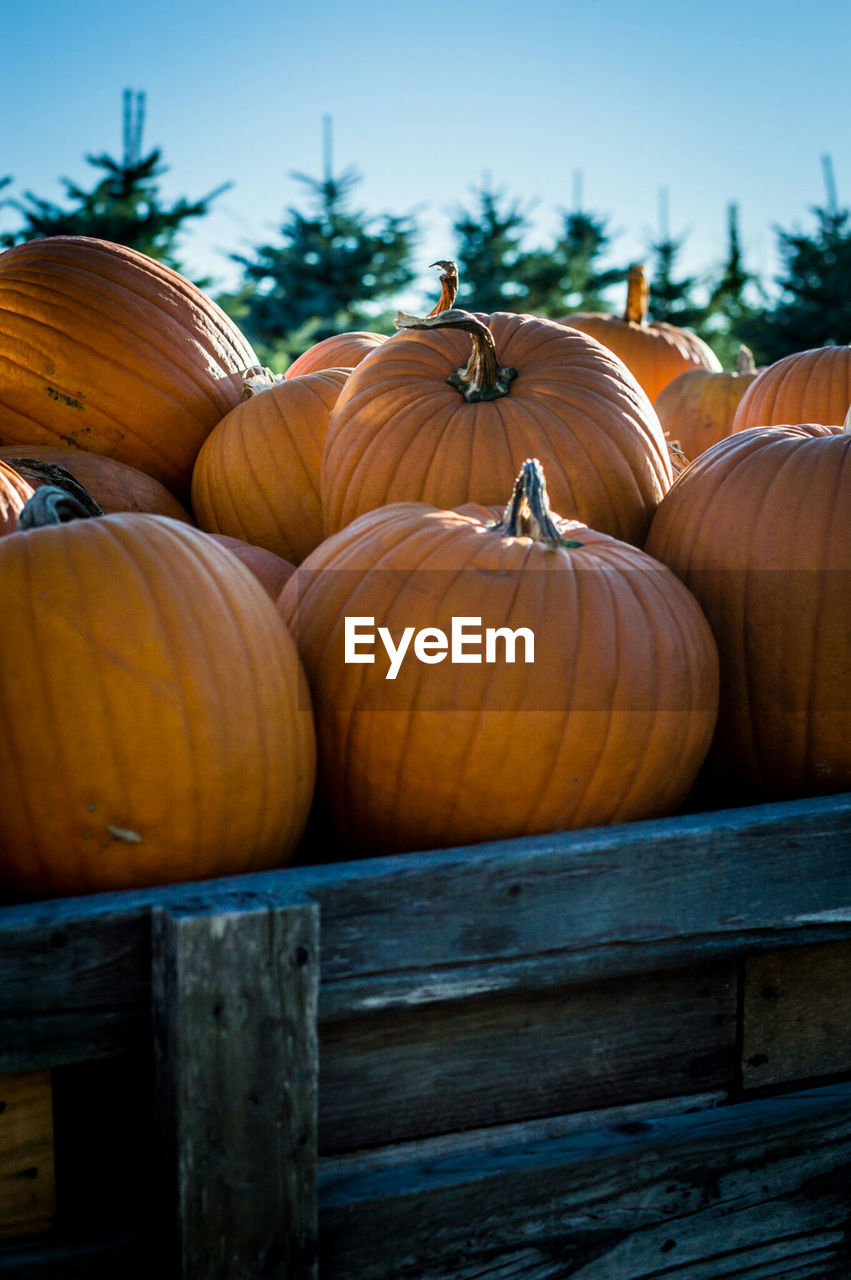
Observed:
{"x":528,"y":514}
{"x":637,"y":295}
{"x":448,"y":285}
{"x":51,"y":473}
{"x":52,"y":505}
{"x":258,"y":378}
{"x":745,"y":362}
{"x":483,"y":377}
{"x":846,"y":426}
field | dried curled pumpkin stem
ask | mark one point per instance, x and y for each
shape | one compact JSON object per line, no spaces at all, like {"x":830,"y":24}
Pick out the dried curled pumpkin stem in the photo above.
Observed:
{"x":745,"y":362}
{"x":448,"y":285}
{"x":528,"y":514}
{"x":51,"y":473}
{"x":259,"y":378}
{"x":52,"y":505}
{"x":637,"y":295}
{"x":483,"y":377}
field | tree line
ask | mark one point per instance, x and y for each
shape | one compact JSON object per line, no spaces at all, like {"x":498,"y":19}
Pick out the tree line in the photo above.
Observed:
{"x":332,"y":266}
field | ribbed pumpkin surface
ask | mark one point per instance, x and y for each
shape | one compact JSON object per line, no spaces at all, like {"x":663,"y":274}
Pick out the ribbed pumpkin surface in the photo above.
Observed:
{"x":698,"y":407}
{"x":759,"y":528}
{"x":609,"y":723}
{"x":107,"y":350}
{"x":340,"y":351}
{"x":654,"y":352}
{"x":257,"y":476}
{"x":154,"y":721}
{"x":809,"y":386}
{"x":399,"y":432}
{"x":114,"y":485}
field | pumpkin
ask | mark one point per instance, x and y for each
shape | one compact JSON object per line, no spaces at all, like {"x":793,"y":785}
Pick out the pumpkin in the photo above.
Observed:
{"x":114,"y":485}
{"x":654,"y":351}
{"x":697,"y":408}
{"x":104,"y":349}
{"x":14,"y":493}
{"x":608,"y":722}
{"x":807,"y":386}
{"x":257,"y":475}
{"x":759,"y":529}
{"x":411,"y":425}
{"x":271,"y":571}
{"x":154,"y":720}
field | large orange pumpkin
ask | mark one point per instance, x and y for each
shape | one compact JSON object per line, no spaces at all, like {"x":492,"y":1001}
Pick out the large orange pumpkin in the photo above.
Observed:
{"x":340,"y":351}
{"x":105,"y":349}
{"x":154,"y":720}
{"x":609,"y":721}
{"x":759,"y":528}
{"x":14,"y":493}
{"x":114,"y":485}
{"x":807,"y":386}
{"x":654,"y":351}
{"x":257,"y":475}
{"x":697,"y":408}
{"x":410,"y":425}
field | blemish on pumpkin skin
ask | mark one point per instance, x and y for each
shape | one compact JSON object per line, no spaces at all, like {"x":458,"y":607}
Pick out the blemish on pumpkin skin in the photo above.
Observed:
{"x":71,"y":401}
{"x":120,"y":833}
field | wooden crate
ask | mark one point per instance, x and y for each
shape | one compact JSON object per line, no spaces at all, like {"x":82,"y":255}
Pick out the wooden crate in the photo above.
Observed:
{"x":622,"y":1053}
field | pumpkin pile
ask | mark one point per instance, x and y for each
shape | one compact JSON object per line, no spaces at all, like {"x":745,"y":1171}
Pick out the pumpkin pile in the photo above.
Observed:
{"x":441,"y":668}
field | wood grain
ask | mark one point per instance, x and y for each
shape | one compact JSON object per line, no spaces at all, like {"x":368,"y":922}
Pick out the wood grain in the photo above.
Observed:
{"x":27,"y":1179}
{"x":234,"y":1001}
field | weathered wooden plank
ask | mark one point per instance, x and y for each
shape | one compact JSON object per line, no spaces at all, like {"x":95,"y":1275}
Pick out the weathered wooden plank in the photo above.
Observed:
{"x":759,"y":1189}
{"x":130,"y":1257}
{"x":413,"y":1072}
{"x":426,"y":928}
{"x":234,"y":1000}
{"x":27,"y":1186}
{"x":797,"y":1015}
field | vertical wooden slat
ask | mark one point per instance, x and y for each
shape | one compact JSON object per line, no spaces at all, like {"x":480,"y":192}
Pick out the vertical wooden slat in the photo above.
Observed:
{"x":27,"y":1189}
{"x":236,"y":1052}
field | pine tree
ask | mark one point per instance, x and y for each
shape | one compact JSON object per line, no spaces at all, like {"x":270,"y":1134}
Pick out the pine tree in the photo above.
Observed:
{"x":732,"y":318}
{"x":492,"y":266}
{"x":814,"y":306}
{"x":124,"y":206}
{"x":333,"y":267}
{"x":670,"y":298}
{"x":568,"y":277}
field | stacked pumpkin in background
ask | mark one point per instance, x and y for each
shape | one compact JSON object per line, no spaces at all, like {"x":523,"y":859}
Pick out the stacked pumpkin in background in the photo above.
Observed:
{"x":156,"y":720}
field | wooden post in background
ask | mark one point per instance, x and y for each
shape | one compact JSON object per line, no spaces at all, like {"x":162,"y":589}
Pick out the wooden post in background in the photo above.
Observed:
{"x":236,"y":1052}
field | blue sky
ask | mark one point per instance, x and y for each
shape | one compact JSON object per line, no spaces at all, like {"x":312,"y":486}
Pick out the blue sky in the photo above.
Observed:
{"x":712,"y":102}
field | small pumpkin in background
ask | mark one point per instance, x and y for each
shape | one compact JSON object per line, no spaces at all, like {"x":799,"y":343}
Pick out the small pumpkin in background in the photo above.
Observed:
{"x":428,"y":419}
{"x":107,"y":349}
{"x":271,"y":571}
{"x":697,"y":408}
{"x":114,"y":485}
{"x":654,"y":351}
{"x":257,"y":477}
{"x":608,"y":722}
{"x":807,"y":386}
{"x":155,"y":724}
{"x":15,"y":491}
{"x":759,"y":529}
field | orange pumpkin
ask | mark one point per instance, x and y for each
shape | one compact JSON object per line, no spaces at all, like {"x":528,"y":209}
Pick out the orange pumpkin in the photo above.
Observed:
{"x":114,"y":485}
{"x":257,"y":476}
{"x":808,"y":386}
{"x":14,"y":493}
{"x":340,"y":351}
{"x":697,"y":408}
{"x":654,"y":351}
{"x":105,"y":349}
{"x":154,"y":720}
{"x":410,"y":425}
{"x":609,"y":721}
{"x":759,"y":529}
{"x":271,"y":571}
